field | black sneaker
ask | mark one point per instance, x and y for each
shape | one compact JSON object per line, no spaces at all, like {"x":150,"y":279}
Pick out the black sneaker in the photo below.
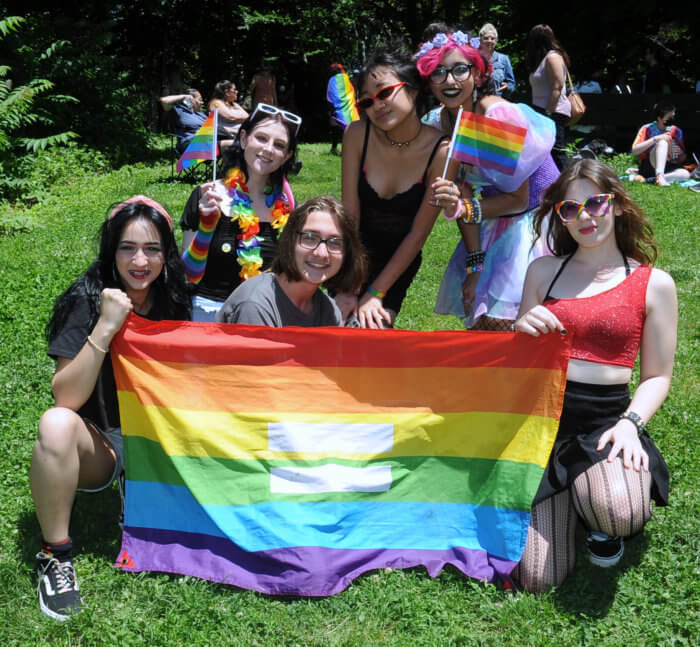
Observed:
{"x":604,"y":550}
{"x":59,"y":595}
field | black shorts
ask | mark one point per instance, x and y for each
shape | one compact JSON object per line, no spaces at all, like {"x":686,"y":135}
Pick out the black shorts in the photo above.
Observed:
{"x":647,"y":170}
{"x":114,"y":436}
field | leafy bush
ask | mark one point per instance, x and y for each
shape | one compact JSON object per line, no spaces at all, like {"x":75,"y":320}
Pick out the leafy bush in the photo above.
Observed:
{"x":18,"y":112}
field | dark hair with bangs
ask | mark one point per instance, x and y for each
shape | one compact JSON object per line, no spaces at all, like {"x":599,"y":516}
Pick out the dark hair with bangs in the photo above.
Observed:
{"x":396,"y":57}
{"x":633,"y":232}
{"x":169,"y":291}
{"x":353,"y":270}
{"x":233,"y":157}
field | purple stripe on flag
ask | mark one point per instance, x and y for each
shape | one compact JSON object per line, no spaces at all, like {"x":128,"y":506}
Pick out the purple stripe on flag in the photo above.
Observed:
{"x":301,"y":570}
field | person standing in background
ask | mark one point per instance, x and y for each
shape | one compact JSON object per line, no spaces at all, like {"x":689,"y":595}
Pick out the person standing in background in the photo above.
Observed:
{"x":340,"y":96}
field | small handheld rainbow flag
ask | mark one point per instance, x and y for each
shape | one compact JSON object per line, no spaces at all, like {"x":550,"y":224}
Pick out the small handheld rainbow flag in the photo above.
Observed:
{"x":488,"y":143}
{"x":203,"y":145}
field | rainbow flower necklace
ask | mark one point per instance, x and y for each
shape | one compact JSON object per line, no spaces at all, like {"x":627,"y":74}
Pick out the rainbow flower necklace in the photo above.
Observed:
{"x":248,"y":252}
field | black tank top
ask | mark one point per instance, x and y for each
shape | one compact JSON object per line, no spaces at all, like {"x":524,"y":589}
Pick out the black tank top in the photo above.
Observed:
{"x":384,"y":223}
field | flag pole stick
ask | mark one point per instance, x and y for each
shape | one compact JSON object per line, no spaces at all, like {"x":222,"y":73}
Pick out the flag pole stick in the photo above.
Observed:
{"x":452,"y":141}
{"x":214,"y":143}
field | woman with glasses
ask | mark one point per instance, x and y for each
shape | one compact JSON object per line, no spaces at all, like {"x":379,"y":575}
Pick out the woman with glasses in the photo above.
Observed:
{"x":484,"y":279}
{"x":599,"y":288}
{"x":320,"y":247}
{"x":230,"y":227}
{"x":502,"y":76}
{"x":231,"y":113}
{"x":79,"y":444}
{"x":392,"y":185}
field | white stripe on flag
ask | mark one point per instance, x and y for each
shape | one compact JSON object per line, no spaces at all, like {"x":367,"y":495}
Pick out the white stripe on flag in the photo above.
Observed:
{"x":318,"y":437}
{"x":330,"y":478}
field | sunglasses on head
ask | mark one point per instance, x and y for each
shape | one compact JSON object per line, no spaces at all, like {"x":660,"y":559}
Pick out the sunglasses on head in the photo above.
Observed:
{"x":383,"y":95}
{"x":459,"y":71}
{"x":597,"y":206}
{"x":289,"y":117}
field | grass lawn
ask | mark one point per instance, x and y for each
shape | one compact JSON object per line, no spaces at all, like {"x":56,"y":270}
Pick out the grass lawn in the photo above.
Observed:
{"x":652,"y":598}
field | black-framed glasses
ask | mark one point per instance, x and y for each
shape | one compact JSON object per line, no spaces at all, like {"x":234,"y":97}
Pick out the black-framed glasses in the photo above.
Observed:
{"x":385,"y":93}
{"x":459,"y":72}
{"x":310,"y":240}
{"x":289,"y":117}
{"x":597,"y":206}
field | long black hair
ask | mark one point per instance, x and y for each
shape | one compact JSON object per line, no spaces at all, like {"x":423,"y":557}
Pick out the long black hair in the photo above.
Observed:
{"x":169,"y":291}
{"x":233,"y":156}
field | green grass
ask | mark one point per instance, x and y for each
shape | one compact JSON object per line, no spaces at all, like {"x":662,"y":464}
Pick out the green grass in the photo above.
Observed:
{"x":653,"y":598}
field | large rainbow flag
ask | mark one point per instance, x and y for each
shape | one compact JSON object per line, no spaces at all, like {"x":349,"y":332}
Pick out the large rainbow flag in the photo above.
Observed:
{"x":290,"y":461}
{"x":341,"y":95}
{"x":203,"y":145}
{"x":488,"y":143}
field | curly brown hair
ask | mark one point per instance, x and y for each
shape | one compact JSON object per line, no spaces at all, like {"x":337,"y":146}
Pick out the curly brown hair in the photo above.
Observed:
{"x":633,"y":232}
{"x":352,"y":272}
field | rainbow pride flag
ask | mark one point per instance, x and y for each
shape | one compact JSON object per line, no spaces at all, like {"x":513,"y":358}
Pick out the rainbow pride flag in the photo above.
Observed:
{"x":488,"y":143}
{"x":290,"y":460}
{"x":341,"y":96}
{"x":203,"y":145}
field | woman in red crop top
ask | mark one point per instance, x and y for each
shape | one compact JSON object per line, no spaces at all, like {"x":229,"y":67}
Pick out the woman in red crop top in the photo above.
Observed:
{"x":600,"y":289}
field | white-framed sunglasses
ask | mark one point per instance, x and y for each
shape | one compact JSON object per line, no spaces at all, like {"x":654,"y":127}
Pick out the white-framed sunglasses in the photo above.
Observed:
{"x":289,"y":117}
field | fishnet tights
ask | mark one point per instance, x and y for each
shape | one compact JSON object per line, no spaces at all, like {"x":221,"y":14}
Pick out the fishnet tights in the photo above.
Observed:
{"x":606,"y":497}
{"x":492,"y":323}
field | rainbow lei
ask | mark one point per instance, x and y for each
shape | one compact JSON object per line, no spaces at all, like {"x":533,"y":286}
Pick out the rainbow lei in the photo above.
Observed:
{"x":248,"y":252}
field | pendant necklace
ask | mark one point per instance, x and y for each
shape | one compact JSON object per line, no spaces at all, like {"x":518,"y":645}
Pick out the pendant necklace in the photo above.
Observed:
{"x":400,"y":145}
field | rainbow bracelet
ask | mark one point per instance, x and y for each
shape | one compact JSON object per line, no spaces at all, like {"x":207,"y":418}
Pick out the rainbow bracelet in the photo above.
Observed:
{"x":375,"y":293}
{"x":474,"y":269}
{"x":98,"y":348}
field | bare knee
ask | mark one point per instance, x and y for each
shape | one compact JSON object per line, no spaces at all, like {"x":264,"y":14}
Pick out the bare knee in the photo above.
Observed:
{"x":58,"y":431}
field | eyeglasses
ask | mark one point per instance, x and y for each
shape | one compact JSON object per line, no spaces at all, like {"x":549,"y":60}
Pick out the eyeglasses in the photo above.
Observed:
{"x":597,"y":206}
{"x":289,"y":117}
{"x":309,"y":240}
{"x":383,"y":95}
{"x":459,"y":71}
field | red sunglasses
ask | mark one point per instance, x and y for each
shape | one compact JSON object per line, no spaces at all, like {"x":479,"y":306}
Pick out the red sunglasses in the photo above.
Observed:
{"x":385,"y":93}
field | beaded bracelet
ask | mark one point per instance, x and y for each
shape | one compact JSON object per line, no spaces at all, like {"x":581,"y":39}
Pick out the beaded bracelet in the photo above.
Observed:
{"x":472,"y":215}
{"x":98,"y":348}
{"x":475,"y":257}
{"x":376,"y":293}
{"x":474,"y":269}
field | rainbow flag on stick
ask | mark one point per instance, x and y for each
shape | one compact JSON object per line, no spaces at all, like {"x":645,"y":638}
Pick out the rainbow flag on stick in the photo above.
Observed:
{"x":485,"y":142}
{"x":290,"y":461}
{"x":203,"y":145}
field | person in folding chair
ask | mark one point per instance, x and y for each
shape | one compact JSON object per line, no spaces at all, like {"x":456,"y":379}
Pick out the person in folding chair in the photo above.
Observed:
{"x":188,"y":115}
{"x":79,"y":444}
{"x":231,"y":226}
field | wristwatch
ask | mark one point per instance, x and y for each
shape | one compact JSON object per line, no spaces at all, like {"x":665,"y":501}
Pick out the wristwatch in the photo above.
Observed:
{"x":636,"y":420}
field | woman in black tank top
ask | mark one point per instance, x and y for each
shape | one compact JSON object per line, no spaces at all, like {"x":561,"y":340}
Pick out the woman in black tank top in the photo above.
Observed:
{"x":391,"y":184}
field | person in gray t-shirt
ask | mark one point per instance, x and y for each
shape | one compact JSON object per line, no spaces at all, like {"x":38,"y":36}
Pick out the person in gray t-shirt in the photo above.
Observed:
{"x":319,"y":246}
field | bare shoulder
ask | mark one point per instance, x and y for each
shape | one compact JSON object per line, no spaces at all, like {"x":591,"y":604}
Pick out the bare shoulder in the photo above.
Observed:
{"x":661,"y":283}
{"x":545,"y":266}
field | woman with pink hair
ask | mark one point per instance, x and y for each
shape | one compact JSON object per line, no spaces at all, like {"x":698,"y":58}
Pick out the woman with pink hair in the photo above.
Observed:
{"x":484,"y":280}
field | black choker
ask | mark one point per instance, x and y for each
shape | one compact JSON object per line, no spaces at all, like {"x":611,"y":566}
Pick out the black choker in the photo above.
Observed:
{"x":407,"y":142}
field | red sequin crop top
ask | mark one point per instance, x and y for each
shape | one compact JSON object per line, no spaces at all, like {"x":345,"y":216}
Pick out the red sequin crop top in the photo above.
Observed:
{"x":606,"y":327}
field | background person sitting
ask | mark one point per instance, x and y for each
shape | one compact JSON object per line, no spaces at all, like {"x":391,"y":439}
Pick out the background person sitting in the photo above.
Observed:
{"x":660,"y":147}
{"x":188,"y":115}
{"x":231,"y":114}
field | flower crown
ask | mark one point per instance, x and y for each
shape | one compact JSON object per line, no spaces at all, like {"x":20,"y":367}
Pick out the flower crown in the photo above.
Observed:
{"x":440,"y":40}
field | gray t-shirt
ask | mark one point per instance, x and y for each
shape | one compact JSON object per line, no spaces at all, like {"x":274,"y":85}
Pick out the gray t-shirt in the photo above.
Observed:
{"x":260,"y":301}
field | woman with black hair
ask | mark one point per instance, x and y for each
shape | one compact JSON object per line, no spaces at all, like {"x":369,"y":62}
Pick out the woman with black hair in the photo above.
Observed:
{"x":392,"y":184}
{"x":79,"y":445}
{"x":255,"y":201}
{"x":231,"y":114}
